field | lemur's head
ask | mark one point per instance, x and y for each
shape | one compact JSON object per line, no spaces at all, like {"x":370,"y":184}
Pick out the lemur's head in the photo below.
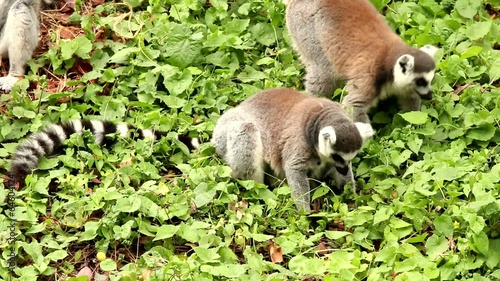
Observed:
{"x":342,"y":143}
{"x":414,"y":72}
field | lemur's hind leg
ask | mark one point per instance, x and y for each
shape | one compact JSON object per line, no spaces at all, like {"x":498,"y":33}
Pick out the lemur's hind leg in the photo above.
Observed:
{"x":244,"y":151}
{"x":358,"y":100}
{"x":319,"y":79}
{"x":301,"y":22}
{"x":19,"y":40}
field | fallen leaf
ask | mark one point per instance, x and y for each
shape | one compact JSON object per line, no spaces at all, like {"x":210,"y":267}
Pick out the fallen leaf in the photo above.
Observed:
{"x":86,"y":271}
{"x":146,"y":273}
{"x":276,"y":253}
{"x":101,"y":277}
{"x":323,"y":248}
{"x":97,"y":2}
{"x":125,"y":163}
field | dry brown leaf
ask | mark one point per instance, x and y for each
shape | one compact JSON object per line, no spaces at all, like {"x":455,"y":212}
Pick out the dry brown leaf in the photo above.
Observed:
{"x":96,"y":180}
{"x":276,"y":253}
{"x":323,"y":248}
{"x":146,"y":273}
{"x":97,"y":2}
{"x":86,"y":271}
{"x":125,"y":163}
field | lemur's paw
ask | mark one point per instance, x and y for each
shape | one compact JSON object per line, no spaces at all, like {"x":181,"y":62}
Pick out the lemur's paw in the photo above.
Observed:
{"x":7,"y":82}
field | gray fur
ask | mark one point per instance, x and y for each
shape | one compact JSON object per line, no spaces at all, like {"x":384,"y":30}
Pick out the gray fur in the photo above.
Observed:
{"x":293,"y":134}
{"x":349,"y":41}
{"x":19,"y":28}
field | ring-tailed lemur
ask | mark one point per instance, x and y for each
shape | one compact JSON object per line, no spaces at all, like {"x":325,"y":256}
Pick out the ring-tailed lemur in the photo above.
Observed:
{"x":19,"y":28}
{"x":296,"y":135}
{"x":45,"y":142}
{"x":340,"y":40}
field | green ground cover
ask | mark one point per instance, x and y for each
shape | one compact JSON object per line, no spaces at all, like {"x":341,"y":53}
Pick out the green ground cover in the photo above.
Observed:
{"x":428,"y":197}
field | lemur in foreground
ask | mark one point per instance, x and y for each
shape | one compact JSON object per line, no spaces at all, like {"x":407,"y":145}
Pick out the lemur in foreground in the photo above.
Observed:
{"x":295,"y":135}
{"x":348,"y":40}
{"x":44,"y":143}
{"x":19,"y":28}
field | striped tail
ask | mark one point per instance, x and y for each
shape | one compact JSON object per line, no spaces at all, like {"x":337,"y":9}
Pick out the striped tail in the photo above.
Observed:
{"x":45,"y":142}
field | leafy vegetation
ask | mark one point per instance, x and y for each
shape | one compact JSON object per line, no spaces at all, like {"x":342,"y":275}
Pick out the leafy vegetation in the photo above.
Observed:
{"x":428,"y":204}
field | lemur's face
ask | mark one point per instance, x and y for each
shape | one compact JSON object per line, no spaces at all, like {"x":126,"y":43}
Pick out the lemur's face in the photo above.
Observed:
{"x":415,"y":74}
{"x":342,"y":160}
{"x":422,"y":84}
{"x":343,"y":145}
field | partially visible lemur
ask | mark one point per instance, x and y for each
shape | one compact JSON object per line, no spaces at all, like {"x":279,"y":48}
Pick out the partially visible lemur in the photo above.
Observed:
{"x":348,"y":40}
{"x":296,"y":135}
{"x":45,"y":142}
{"x":19,"y":28}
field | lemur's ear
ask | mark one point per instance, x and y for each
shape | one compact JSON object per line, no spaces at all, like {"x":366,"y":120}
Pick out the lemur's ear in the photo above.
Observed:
{"x":430,"y":50}
{"x":329,"y":135}
{"x":326,"y":140}
{"x":406,"y":62}
{"x":365,"y":130}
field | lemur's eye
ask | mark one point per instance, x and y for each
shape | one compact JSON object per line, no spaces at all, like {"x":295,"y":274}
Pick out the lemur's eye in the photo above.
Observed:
{"x":421,"y":82}
{"x":338,"y":159}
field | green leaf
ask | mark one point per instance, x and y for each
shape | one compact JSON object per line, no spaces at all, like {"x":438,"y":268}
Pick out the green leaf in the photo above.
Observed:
{"x":84,"y":46}
{"x":435,"y":246}
{"x":494,"y":72}
{"x":128,"y":204}
{"x":415,"y":117}
{"x":261,"y":237}
{"x":443,"y":225}
{"x":382,"y":214}
{"x":57,"y":255}
{"x":180,"y":48}
{"x":431,"y":270}
{"x":263,"y":33}
{"x":108,"y":265}
{"x":478,"y":30}
{"x":204,"y":194}
{"x":20,"y":112}
{"x":226,"y":270}
{"x":179,"y":83}
{"x":319,"y":192}
{"x":207,"y":255}
{"x":237,"y":26}
{"x":250,"y":74}
{"x":220,"y":5}
{"x":483,"y":133}
{"x":481,"y":242}
{"x":123,"y":55}
{"x":472,"y":52}
{"x":468,"y":8}
{"x":414,"y":144}
{"x":90,"y":231}
{"x":306,"y":266}
{"x":173,"y":101}
{"x":166,"y":231}
{"x":336,"y":234}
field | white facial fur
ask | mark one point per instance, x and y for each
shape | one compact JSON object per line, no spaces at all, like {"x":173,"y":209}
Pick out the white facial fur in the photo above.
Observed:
{"x":403,"y":71}
{"x":365,"y":130}
{"x":404,"y":76}
{"x":430,"y":50}
{"x":428,"y":77}
{"x":326,"y":140}
{"x":348,"y":156}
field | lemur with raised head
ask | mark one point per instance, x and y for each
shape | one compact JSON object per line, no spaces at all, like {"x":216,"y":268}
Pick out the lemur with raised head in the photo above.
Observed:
{"x":295,"y":135}
{"x":44,"y":143}
{"x":348,"y":40}
{"x":19,"y":28}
